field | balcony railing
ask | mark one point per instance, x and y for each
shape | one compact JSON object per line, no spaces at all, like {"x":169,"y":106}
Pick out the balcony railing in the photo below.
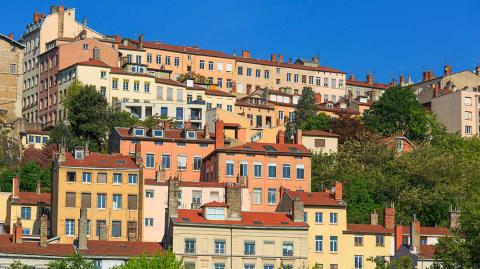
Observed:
{"x":287,"y":252}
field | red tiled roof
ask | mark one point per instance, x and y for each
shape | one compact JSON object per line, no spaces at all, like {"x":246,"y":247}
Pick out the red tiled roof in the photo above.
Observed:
{"x":337,"y":110}
{"x":101,"y":161}
{"x":168,"y":81}
{"x":319,"y":133}
{"x":427,"y":251}
{"x":215,"y":204}
{"x":367,"y":85}
{"x":97,"y":63}
{"x":367,"y":229}
{"x":204,"y":184}
{"x":424,"y":231}
{"x":316,"y":198}
{"x":40,"y":132}
{"x":32,"y":198}
{"x":121,"y":248}
{"x":219,"y":93}
{"x":390,"y":139}
{"x":185,"y":49}
{"x":170,"y":134}
{"x":32,"y":248}
{"x":248,"y":104}
{"x":255,"y":219}
{"x":289,"y":65}
{"x":281,"y":149}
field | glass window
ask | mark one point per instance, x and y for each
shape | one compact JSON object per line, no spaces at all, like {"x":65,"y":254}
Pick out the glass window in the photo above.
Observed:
{"x":249,"y":266}
{"x":358,"y":262}
{"x":190,"y":245}
{"x":358,"y":240}
{"x":179,"y":113}
{"x":116,"y":228}
{"x":117,"y":178}
{"x":165,"y":161}
{"x":257,"y":196}
{"x":272,"y":170}
{"x":243,"y":169}
{"x":102,"y":178}
{"x":117,"y":201}
{"x":300,"y":171}
{"x":101,"y":200}
{"x":87,"y":177}
{"x":149,"y":222}
{"x":69,"y":227}
{"x":249,"y":248}
{"x":319,"y":243}
{"x":333,"y":243}
{"x":287,"y":248}
{"x":26,"y":213}
{"x":229,"y":168}
{"x":286,"y":171}
{"x":158,"y":133}
{"x":149,"y":193}
{"x":219,"y":266}
{"x":210,"y":65}
{"x":100,"y":223}
{"x":272,"y":196}
{"x":333,"y":218}
{"x":468,"y":101}
{"x":150,"y":160}
{"x":197,"y":163}
{"x":132,"y":178}
{"x":189,"y":265}
{"x":379,"y":240}
{"x":215,"y":213}
{"x":318,"y":217}
{"x":257,"y":170}
{"x":182,"y":162}
{"x":240,"y":70}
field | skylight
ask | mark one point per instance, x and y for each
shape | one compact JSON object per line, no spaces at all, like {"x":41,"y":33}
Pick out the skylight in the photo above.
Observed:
{"x":269,"y":148}
{"x":294,"y":150}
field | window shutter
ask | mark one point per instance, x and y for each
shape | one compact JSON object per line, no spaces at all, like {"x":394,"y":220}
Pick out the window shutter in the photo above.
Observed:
{"x":86,"y":200}
{"x":132,"y":202}
{"x":70,"y":199}
{"x":319,"y":143}
{"x":102,"y":178}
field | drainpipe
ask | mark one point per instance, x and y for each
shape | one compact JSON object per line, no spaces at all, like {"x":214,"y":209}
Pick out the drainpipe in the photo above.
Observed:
{"x":231,"y":247}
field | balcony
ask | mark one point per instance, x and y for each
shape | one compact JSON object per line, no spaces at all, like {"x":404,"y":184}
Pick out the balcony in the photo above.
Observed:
{"x":288,"y":252}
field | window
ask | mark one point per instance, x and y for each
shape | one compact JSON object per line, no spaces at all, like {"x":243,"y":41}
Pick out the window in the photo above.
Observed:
{"x":132,"y":202}
{"x":334,"y":83}
{"x":146,"y":87}
{"x":69,"y":227}
{"x":191,"y":134}
{"x":117,"y":178}
{"x":257,"y":196}
{"x":229,"y":168}
{"x":13,"y":68}
{"x":333,"y":243}
{"x":287,"y":248}
{"x":318,"y":217}
{"x":219,"y":246}
{"x":149,"y":57}
{"x":379,"y":240}
{"x":289,"y":77}
{"x":182,"y":162}
{"x":166,"y":161}
{"x":249,"y":266}
{"x":117,"y":201}
{"x":136,"y":86}
{"x":164,"y":111}
{"x":101,"y":200}
{"x":87,"y":177}
{"x":116,"y":228}
{"x":340,"y":83}
{"x":158,"y":133}
{"x":240,"y":70}
{"x":210,"y":65}
{"x":86,"y":200}
{"x":149,"y":193}
{"x":25,"y":231}
{"x":132,"y":178}
{"x":468,"y":101}
{"x":100,"y":223}
{"x":158,"y":59}
{"x":468,"y":129}
{"x":243,"y":169}
{"x":149,"y":222}
{"x":300,"y":171}
{"x":150,"y":160}
{"x":70,"y":199}
{"x":125,"y":84}
{"x":169,"y":94}
{"x":319,"y":143}
{"x":268,"y":266}
{"x":266,"y":74}
{"x":333,"y":266}
{"x":468,"y":115}
{"x":286,"y":171}
{"x":358,"y":240}
{"x":179,"y":113}
{"x":249,"y":72}
{"x":219,"y":105}
{"x":138,"y":59}
{"x":219,"y":266}
{"x":26,"y":212}
{"x":272,"y":196}
{"x":319,"y":243}
{"x":257,"y":170}
{"x":189,"y":265}
{"x":358,"y":262}
{"x":272,"y":170}
{"x":333,"y":218}
{"x":176,"y":61}
{"x":190,"y":245}
{"x":197,"y":163}
{"x":249,"y":247}
{"x":229,"y":108}
{"x":71,"y":176}
{"x":85,"y":46}
{"x":325,"y":82}
{"x":295,"y":78}
{"x":220,"y":82}
{"x":214,"y":196}
{"x":257,"y":73}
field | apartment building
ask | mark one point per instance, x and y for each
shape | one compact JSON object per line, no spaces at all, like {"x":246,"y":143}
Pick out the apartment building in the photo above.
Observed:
{"x":34,"y":138}
{"x":11,"y":61}
{"x":173,"y":152}
{"x":261,"y":167}
{"x":252,"y":74}
{"x":191,"y":195}
{"x":450,"y":80}
{"x":220,"y":235}
{"x":368,"y":89}
{"x":318,"y":141}
{"x":61,"y":54}
{"x":59,"y":23}
{"x":108,"y":187}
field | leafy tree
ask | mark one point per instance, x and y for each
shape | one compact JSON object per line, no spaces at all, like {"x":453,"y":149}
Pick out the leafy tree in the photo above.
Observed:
{"x":121,"y":119}
{"x":156,"y":120}
{"x":63,"y":134}
{"x":305,"y":108}
{"x":197,"y":78}
{"x":347,"y":127}
{"x":398,"y":111}
{"x":404,"y":262}
{"x":166,"y":260}
{"x":18,"y":265}
{"x":76,"y":261}
{"x":319,"y":121}
{"x":451,"y":253}
{"x":43,"y":157}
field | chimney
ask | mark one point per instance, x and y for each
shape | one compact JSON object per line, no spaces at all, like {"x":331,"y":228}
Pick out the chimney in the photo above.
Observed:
{"x":10,"y":36}
{"x":394,"y":82}
{"x":166,"y":125}
{"x":53,"y":9}
{"x":103,"y":233}
{"x":402,"y":80}
{"x":280,"y":58}
{"x":477,"y":70}
{"x":245,"y":54}
{"x":435,"y":90}
{"x":206,"y":134}
{"x":281,"y":137}
{"x":447,"y":70}
{"x":233,"y":198}
{"x":430,"y":75}
{"x":370,"y":78}
{"x":241,"y":135}
{"x":173,"y":190}
{"x":82,"y":229}
{"x":389,"y":217}
{"x":118,"y":39}
{"x":398,"y":237}
{"x":140,"y":41}
{"x":352,"y":78}
{"x":36,"y":17}
{"x":16,"y":187}
{"x":298,"y":210}
{"x":415,"y":235}
{"x":17,"y":231}
{"x":289,"y":60}
{"x":298,"y":137}
{"x":374,"y":218}
{"x":338,"y":190}
{"x":43,"y":231}
{"x":39,"y":187}
{"x":425,"y":75}
{"x":453,"y":218}
{"x":219,"y":139}
{"x":316,"y":59}
{"x":318,"y":98}
{"x":61,"y":9}
{"x":138,"y":153}
{"x":273,"y":57}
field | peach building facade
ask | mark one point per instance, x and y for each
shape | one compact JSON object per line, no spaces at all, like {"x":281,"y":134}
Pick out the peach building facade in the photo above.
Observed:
{"x":167,"y":152}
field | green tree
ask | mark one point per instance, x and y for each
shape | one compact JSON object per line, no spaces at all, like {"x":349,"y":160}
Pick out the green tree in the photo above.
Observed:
{"x":121,"y":119}
{"x":197,"y":78}
{"x":404,"y":262}
{"x":451,"y":253}
{"x":76,"y":261}
{"x":398,"y":111}
{"x":18,"y":265}
{"x":167,"y":260}
{"x":347,"y":128}
{"x":319,"y":121}
{"x":305,"y":108}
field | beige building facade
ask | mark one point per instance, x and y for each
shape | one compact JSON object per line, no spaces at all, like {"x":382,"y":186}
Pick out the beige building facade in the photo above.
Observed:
{"x":11,"y":59}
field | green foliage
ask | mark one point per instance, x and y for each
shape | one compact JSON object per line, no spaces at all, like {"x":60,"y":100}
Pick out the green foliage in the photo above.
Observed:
{"x":156,"y":120}
{"x":347,"y":128}
{"x":319,"y":121}
{"x":305,"y":108}
{"x":29,"y":173}
{"x":451,"y":253}
{"x":121,"y":119}
{"x":76,"y":261}
{"x":18,"y":265}
{"x":167,"y":260}
{"x":404,"y":262}
{"x":398,"y":111}
{"x":197,"y":78}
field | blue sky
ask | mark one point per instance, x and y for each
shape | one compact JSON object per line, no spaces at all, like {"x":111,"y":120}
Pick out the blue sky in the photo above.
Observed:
{"x":379,"y":36}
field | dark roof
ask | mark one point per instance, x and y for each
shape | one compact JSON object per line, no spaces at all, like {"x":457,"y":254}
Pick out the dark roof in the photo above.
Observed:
{"x":268,"y":148}
{"x":367,"y":229}
{"x":249,"y":219}
{"x":97,"y":160}
{"x":32,"y":248}
{"x":32,"y":198}
{"x":185,"y":49}
{"x":121,"y":248}
{"x":39,"y":132}
{"x":219,"y":93}
{"x":318,"y":133}
{"x":365,"y":84}
{"x":289,"y":65}
{"x":316,"y":198}
{"x":169,"y":82}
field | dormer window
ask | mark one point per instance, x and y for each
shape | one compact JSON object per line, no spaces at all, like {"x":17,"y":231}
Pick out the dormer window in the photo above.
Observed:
{"x":329,"y":105}
{"x":215,"y":213}
{"x":399,"y":144}
{"x":139,"y":132}
{"x":343,"y":105}
{"x":79,"y":154}
{"x":191,"y":135}
{"x":158,"y":133}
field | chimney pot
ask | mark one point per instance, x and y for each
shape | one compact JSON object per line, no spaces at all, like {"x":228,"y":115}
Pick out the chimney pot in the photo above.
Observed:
{"x":415,"y":236}
{"x":298,"y":137}
{"x":447,"y":70}
{"x":10,"y":36}
{"x":43,"y":231}
{"x":389,"y":217}
{"x":39,"y":187}
{"x":16,"y":187}
{"x":273,"y":57}
{"x":352,"y":77}
{"x":82,"y":229}
{"x":402,"y":80}
{"x":18,"y":231}
{"x":281,"y":137}
{"x":453,"y":218}
{"x":280,"y":58}
{"x":370,"y":78}
{"x":219,"y":138}
{"x":36,"y":17}
{"x":398,"y":237}
{"x":374,"y":218}
{"x":61,"y":9}
{"x":298,"y":210}
{"x":173,"y":190}
{"x":477,"y":70}
{"x":245,"y":54}
{"x":233,"y":198}
{"x":425,"y":76}
{"x":338,"y":190}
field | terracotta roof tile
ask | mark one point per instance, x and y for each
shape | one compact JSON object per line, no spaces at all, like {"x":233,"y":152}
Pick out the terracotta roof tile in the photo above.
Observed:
{"x":270,"y":148}
{"x":97,"y":63}
{"x":169,"y":82}
{"x":97,"y":160}
{"x":427,"y":251}
{"x":219,"y":93}
{"x":215,"y":204}
{"x":120,"y":71}
{"x":32,"y":248}
{"x":289,"y":65}
{"x":367,"y":229}
{"x":185,"y":49}
{"x":248,"y":104}
{"x":121,"y":248}
{"x":209,"y":184}
{"x":255,"y":219}
{"x":316,"y":198}
{"x":381,"y":86}
{"x":32,"y":198}
{"x":319,"y":133}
